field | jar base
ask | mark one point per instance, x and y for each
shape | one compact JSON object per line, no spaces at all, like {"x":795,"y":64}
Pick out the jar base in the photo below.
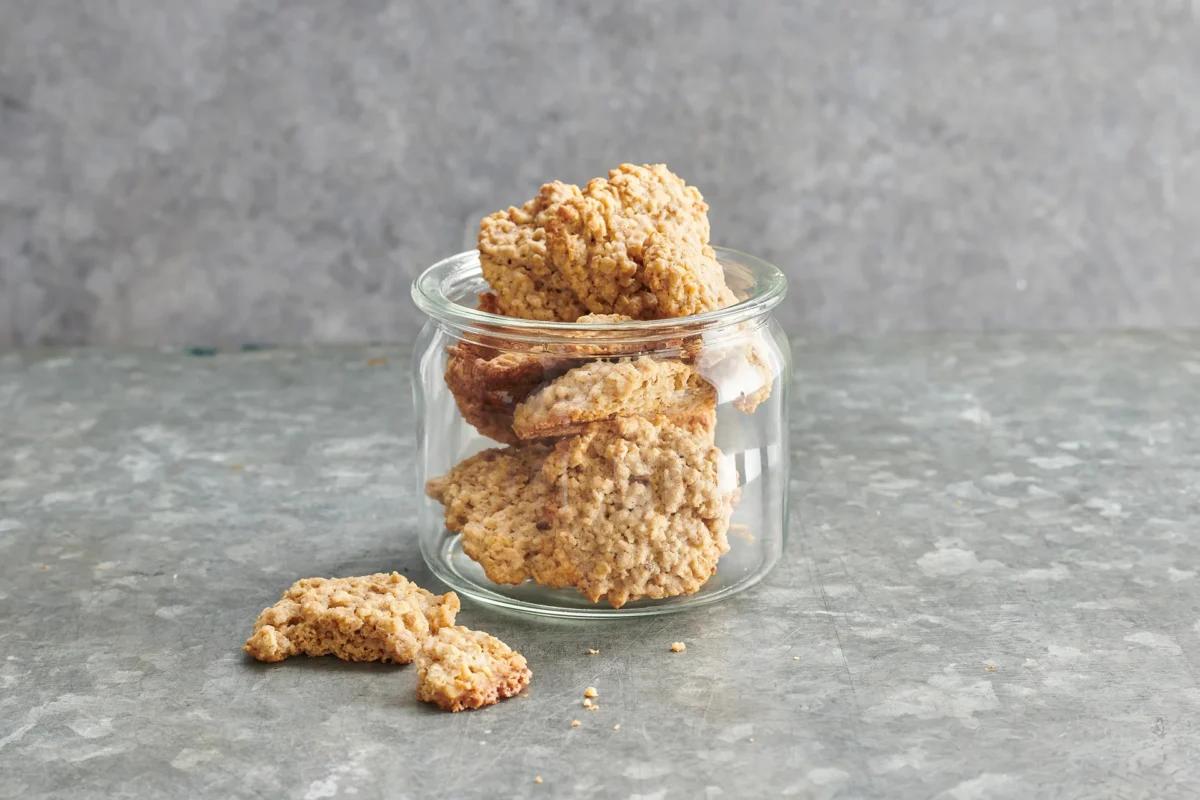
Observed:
{"x":453,"y":567}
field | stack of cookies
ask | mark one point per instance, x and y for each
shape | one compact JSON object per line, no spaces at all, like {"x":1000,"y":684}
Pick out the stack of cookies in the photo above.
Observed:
{"x":610,"y":482}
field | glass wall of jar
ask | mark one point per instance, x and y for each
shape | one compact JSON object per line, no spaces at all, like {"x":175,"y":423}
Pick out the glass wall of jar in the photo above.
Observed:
{"x":603,"y":467}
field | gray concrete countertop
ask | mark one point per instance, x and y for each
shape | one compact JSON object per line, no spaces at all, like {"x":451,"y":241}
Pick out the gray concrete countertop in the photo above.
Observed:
{"x":990,"y":589}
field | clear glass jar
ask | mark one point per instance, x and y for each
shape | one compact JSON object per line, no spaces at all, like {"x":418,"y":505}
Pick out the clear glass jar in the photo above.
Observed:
{"x":631,"y":467}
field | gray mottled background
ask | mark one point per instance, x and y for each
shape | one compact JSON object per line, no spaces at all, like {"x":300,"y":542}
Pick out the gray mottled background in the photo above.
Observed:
{"x":228,"y":171}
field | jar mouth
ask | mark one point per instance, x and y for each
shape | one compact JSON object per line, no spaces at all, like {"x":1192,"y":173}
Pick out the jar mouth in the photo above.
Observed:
{"x":440,"y":288}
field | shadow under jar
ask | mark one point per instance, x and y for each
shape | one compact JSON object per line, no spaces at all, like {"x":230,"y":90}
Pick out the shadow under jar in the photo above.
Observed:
{"x":605,"y":467}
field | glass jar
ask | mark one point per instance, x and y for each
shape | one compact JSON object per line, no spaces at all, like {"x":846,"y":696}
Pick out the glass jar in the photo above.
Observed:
{"x":604,"y":467}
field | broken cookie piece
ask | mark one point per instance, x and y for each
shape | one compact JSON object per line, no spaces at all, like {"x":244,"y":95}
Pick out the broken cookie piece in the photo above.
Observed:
{"x":381,"y":617}
{"x":639,"y":508}
{"x":604,"y":390}
{"x":459,"y":668}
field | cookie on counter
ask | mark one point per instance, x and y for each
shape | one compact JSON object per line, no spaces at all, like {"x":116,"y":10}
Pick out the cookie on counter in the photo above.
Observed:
{"x":459,"y":669}
{"x":381,"y":617}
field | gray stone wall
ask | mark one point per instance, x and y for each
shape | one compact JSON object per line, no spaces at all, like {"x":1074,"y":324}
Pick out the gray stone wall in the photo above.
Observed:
{"x":219,"y":171}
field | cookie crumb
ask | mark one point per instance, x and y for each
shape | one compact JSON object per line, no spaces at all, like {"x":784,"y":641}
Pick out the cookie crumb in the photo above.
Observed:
{"x":617,"y":727}
{"x":590,"y":692}
{"x":591,"y":651}
{"x":592,"y":707}
{"x":376,"y":362}
{"x":678,"y":647}
{"x":537,"y":778}
{"x":587,"y":703}
{"x":575,"y":723}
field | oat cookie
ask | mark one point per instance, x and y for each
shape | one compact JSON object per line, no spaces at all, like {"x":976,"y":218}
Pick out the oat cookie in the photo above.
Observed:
{"x":498,"y":500}
{"x":570,"y":250}
{"x":603,"y":390}
{"x":486,"y":482}
{"x":512,"y":256}
{"x":494,"y":423}
{"x":488,"y":383}
{"x":459,"y":668}
{"x":598,"y":239}
{"x":516,"y":543}
{"x":605,"y":318}
{"x":380,"y":617}
{"x":684,"y":276}
{"x":640,"y":508}
{"x":504,"y":542}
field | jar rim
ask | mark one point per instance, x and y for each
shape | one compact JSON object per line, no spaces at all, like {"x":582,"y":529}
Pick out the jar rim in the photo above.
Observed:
{"x":431,"y":292}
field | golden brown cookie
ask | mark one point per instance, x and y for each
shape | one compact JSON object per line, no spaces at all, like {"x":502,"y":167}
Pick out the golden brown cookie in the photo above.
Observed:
{"x":488,"y":382}
{"x":684,"y":276}
{"x":494,"y":423}
{"x":603,"y":390}
{"x":503,"y":543}
{"x":512,"y":257}
{"x":459,"y":669}
{"x":598,"y":239}
{"x":380,"y":617}
{"x":634,"y":243}
{"x":486,"y":482}
{"x":487,"y":385}
{"x":498,"y":500}
{"x":639,"y":507}
{"x":516,"y":543}
{"x":605,"y":318}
